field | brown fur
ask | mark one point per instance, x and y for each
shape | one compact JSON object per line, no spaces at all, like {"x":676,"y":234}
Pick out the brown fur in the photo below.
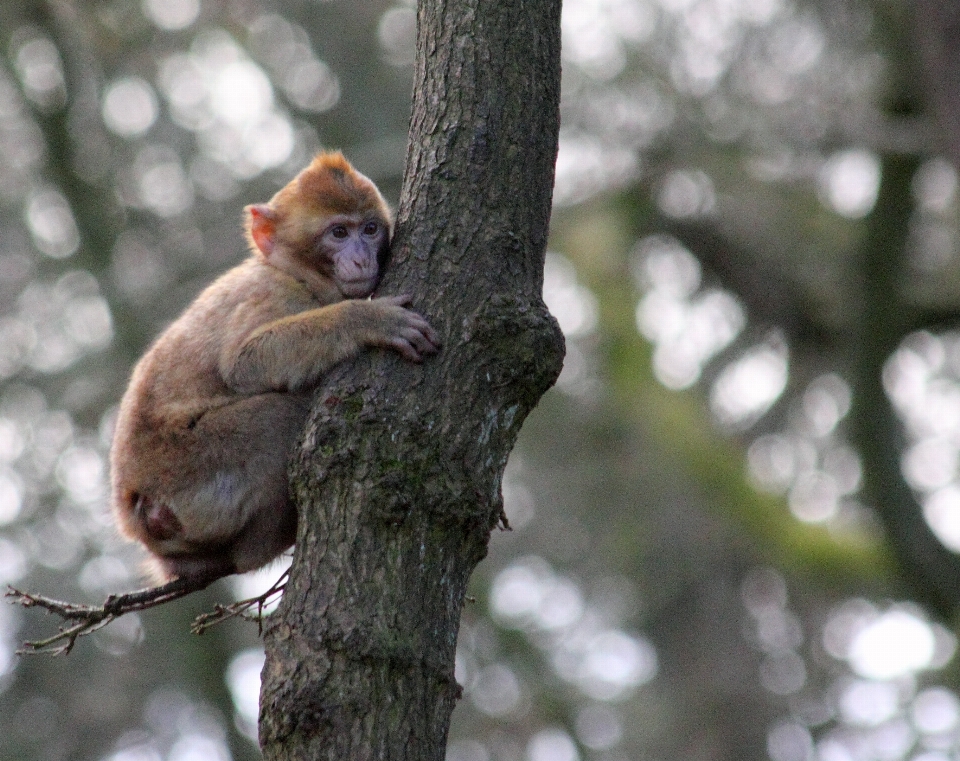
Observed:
{"x":206,"y":427}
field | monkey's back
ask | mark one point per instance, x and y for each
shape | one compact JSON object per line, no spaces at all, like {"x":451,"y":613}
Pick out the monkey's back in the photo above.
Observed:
{"x":179,"y":417}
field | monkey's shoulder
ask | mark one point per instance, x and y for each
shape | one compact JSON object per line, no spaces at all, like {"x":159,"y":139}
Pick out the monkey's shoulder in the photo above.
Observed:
{"x":225,"y":312}
{"x":254,"y":284}
{"x":239,"y":301}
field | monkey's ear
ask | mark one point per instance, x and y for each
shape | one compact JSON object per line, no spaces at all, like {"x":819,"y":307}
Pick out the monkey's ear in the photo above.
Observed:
{"x":261,"y":227}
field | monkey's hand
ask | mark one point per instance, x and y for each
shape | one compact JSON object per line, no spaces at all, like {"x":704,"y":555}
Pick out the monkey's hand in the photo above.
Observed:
{"x":404,"y":330}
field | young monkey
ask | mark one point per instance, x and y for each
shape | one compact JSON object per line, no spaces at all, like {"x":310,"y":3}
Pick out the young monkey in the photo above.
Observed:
{"x":207,"y":424}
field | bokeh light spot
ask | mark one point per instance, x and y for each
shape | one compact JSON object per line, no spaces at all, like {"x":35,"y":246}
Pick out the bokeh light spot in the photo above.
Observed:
{"x":849,"y":182}
{"x":51,"y":223}
{"x":574,"y":306}
{"x":129,"y":107}
{"x":748,"y":387}
{"x":552,"y":745}
{"x":936,"y":710}
{"x":171,"y":14}
{"x":243,"y":680}
{"x":895,"y":644}
{"x":496,"y":691}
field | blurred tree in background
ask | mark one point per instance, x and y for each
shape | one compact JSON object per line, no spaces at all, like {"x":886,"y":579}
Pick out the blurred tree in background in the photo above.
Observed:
{"x":736,"y":519}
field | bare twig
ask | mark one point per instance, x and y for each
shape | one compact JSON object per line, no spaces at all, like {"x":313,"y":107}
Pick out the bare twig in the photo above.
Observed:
{"x":90,"y":618}
{"x":240,"y":609}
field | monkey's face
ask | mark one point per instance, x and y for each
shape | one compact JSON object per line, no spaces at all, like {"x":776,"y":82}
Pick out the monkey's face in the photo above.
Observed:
{"x":329,"y":227}
{"x":350,"y":249}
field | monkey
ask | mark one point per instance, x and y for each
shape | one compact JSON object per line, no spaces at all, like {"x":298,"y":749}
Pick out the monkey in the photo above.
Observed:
{"x":212,"y":411}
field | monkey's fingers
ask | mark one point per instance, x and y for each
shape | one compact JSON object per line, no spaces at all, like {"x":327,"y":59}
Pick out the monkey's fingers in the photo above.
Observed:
{"x":406,"y":349}
{"x":433,"y":337}
{"x":419,"y":340}
{"x":426,"y":339}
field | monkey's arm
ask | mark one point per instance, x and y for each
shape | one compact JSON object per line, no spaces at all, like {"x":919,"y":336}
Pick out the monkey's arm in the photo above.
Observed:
{"x":293,"y":352}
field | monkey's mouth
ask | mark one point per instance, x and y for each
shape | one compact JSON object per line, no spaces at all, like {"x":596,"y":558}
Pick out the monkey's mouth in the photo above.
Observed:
{"x":358,"y":288}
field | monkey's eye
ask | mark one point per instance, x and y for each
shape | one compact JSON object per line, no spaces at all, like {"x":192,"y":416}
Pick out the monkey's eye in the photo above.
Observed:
{"x":371,"y":228}
{"x":339,"y":231}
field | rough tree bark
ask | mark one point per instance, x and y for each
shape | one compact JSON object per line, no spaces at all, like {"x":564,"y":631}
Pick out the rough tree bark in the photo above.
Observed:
{"x":398,"y":475}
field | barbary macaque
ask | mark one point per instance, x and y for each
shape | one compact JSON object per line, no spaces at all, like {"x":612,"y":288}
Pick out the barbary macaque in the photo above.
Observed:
{"x":208,"y":423}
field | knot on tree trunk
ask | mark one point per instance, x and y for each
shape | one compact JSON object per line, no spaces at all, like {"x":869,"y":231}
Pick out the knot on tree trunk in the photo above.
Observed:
{"x":518,"y":344}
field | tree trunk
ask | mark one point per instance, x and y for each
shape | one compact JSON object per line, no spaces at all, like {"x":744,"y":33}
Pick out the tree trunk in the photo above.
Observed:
{"x":398,"y":476}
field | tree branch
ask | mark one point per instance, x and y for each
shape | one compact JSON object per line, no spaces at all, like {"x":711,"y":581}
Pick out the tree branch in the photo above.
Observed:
{"x":772,"y":296}
{"x":91,"y":618}
{"x":239,"y":609}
